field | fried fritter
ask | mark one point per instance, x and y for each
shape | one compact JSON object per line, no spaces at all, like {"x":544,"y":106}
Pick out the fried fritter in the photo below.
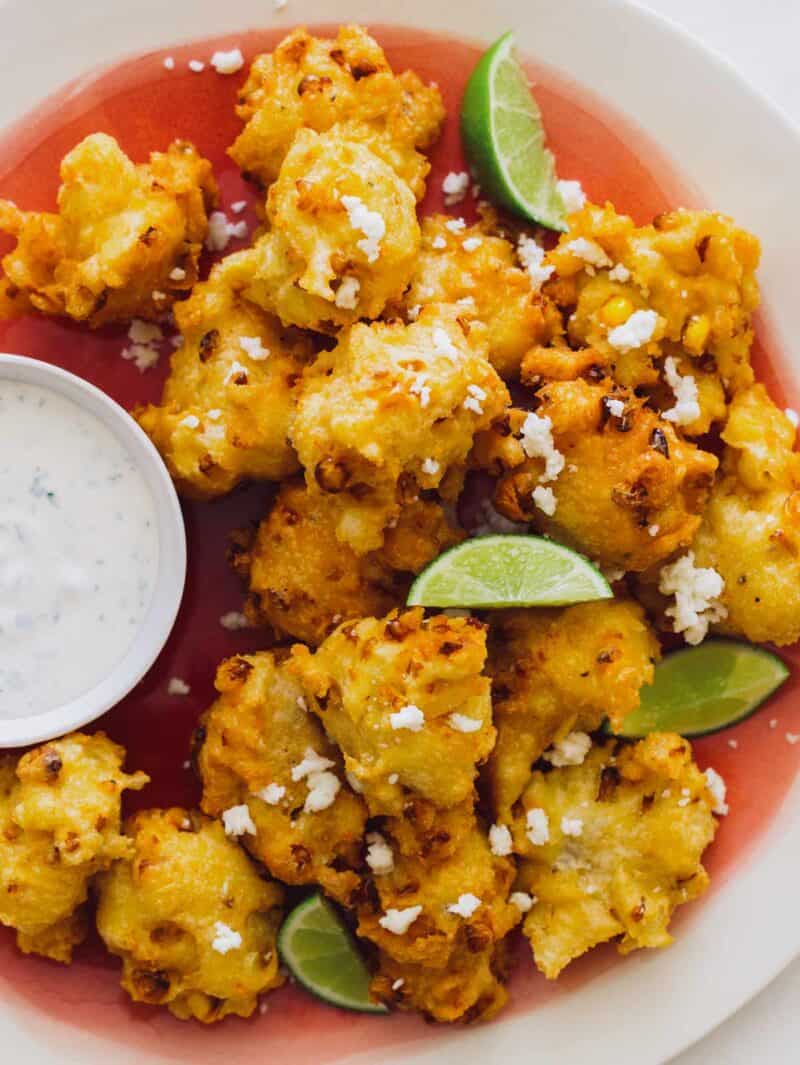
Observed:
{"x":59,"y":825}
{"x":303,"y":582}
{"x":626,"y":831}
{"x":477,"y":268}
{"x":227,"y":403}
{"x":193,"y":920}
{"x":406,"y":701}
{"x":254,"y":739}
{"x":317,"y":83}
{"x":342,"y":241}
{"x":449,"y":962}
{"x":126,"y":240}
{"x":631,"y":492}
{"x":751,"y":527}
{"x":391,"y":411}
{"x":555,"y":671}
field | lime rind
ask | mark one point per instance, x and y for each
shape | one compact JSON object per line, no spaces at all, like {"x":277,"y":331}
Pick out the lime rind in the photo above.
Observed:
{"x":698,"y":691}
{"x":321,"y":954}
{"x":494,"y":572}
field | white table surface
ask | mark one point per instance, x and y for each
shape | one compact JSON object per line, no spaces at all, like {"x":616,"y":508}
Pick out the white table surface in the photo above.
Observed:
{"x":760,"y":38}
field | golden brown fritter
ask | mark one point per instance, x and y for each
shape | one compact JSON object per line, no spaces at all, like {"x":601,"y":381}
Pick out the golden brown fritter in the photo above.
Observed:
{"x":391,"y":411}
{"x":193,"y":920}
{"x":694,"y":269}
{"x":303,"y":582}
{"x":625,"y":834}
{"x":227,"y":403}
{"x":556,"y":671}
{"x":449,"y":961}
{"x":631,"y":492}
{"x":751,"y":527}
{"x":342,"y":241}
{"x":126,"y":240}
{"x":406,"y":701}
{"x":255,"y":738}
{"x":478,"y":268}
{"x":316,"y":83}
{"x":59,"y":825}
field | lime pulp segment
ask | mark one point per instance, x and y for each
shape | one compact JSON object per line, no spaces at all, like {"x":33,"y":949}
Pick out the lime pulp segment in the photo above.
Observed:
{"x":321,"y":954}
{"x":505,"y":571}
{"x":699,"y":690}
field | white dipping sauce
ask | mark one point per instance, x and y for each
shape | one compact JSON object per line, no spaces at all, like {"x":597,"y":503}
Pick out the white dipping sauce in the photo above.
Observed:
{"x":78,"y":550}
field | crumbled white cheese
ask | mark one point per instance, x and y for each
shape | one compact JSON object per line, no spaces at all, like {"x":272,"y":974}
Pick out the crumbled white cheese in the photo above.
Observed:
{"x":475,"y":399}
{"x":571,"y":750}
{"x":271,"y":794}
{"x":169,"y":63}
{"x":455,"y":187}
{"x":311,"y":763}
{"x":141,"y":332}
{"x":225,"y":938}
{"x":393,"y":778}
{"x":545,"y":500}
{"x":228,"y":62}
{"x":430,"y":467}
{"x":236,"y":370}
{"x":379,"y":854}
{"x":589,"y":251}
{"x":191,"y":421}
{"x":322,"y":790}
{"x":443,"y":345}
{"x":500,"y":842}
{"x":398,"y":922}
{"x":466,"y":905}
{"x":398,"y":983}
{"x":615,"y":407}
{"x":177,"y":274}
{"x":462,"y":723}
{"x":143,"y":355}
{"x":472,"y":244}
{"x":159,"y":295}
{"x":619,"y":273}
{"x":538,"y":831}
{"x":572,"y":826}
{"x":221,"y":231}
{"x":572,"y":195}
{"x":733,"y":743}
{"x":522,"y":900}
{"x":253,"y":347}
{"x":793,"y":416}
{"x":177,"y":686}
{"x":438,"y":243}
{"x":238,"y":822}
{"x":234,"y":620}
{"x":196,"y":66}
{"x":455,"y":225}
{"x":347,"y":293}
{"x":716,"y":785}
{"x":653,"y":530}
{"x":536,"y":437}
{"x":687,"y":407}
{"x":792,"y":738}
{"x":368,"y":222}
{"x":697,"y":591}
{"x":413,"y":312}
{"x":420,"y":388}
{"x":408,"y":717}
{"x":773,"y":722}
{"x":531,"y":256}
{"x":239,"y":207}
{"x":636,"y":332}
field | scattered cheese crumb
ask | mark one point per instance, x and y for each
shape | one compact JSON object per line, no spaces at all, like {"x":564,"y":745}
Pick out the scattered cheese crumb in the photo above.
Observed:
{"x":536,"y":437}
{"x":253,"y":347}
{"x":475,"y":399}
{"x":393,"y":778}
{"x":177,"y":274}
{"x":653,"y":530}
{"x":311,"y":763}
{"x":159,"y":295}
{"x":545,"y":500}
{"x":522,"y":900}
{"x":225,"y":938}
{"x":271,"y":794}
{"x":322,"y":791}
{"x":733,"y":743}
{"x":408,"y":717}
{"x":238,"y":822}
{"x":531,"y":257}
{"x":455,"y":187}
{"x":538,"y":831}
{"x":500,"y":842}
{"x":683,"y":802}
{"x":572,"y":195}
{"x":368,"y":222}
{"x":196,"y":66}
{"x":615,"y":407}
{"x":455,"y":225}
{"x":191,"y":421}
{"x":227,"y":62}
{"x":773,"y":722}
{"x":421,"y":389}
{"x":716,"y":785}
{"x":233,"y":621}
{"x":141,"y":332}
{"x":571,"y":750}
{"x":589,"y":251}
{"x":177,"y":686}
{"x":637,"y":331}
{"x":143,"y":356}
{"x":793,"y":416}
{"x":472,"y":244}
{"x":792,"y":738}
{"x":443,"y":345}
{"x":221,"y":231}
{"x":430,"y":467}
{"x":572,"y":826}
{"x":413,"y":312}
{"x":619,"y":273}
{"x":438,"y":243}
{"x":398,"y":983}
{"x":239,"y":207}
{"x":347,"y":293}
{"x":379,"y":854}
{"x":687,"y":408}
{"x":462,"y":723}
{"x":169,"y":63}
{"x":398,"y":922}
{"x":697,"y":591}
{"x":465,"y":907}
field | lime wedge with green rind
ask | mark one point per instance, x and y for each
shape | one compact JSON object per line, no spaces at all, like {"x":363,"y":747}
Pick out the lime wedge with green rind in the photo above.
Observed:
{"x":503,"y":136}
{"x":319,"y":951}
{"x":493,"y":572}
{"x":703,"y":689}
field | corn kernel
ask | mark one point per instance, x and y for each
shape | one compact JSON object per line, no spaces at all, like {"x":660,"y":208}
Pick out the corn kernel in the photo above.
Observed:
{"x":696,"y":334}
{"x":616,"y":312}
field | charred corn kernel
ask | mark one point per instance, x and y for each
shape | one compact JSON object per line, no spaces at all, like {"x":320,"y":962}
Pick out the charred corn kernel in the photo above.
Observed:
{"x":696,"y":334}
{"x":616,"y":312}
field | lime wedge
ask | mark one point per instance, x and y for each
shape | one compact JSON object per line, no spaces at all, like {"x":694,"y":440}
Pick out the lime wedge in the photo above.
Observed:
{"x":503,"y":136}
{"x":699,"y":690}
{"x":320,"y":953}
{"x":503,"y":571}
